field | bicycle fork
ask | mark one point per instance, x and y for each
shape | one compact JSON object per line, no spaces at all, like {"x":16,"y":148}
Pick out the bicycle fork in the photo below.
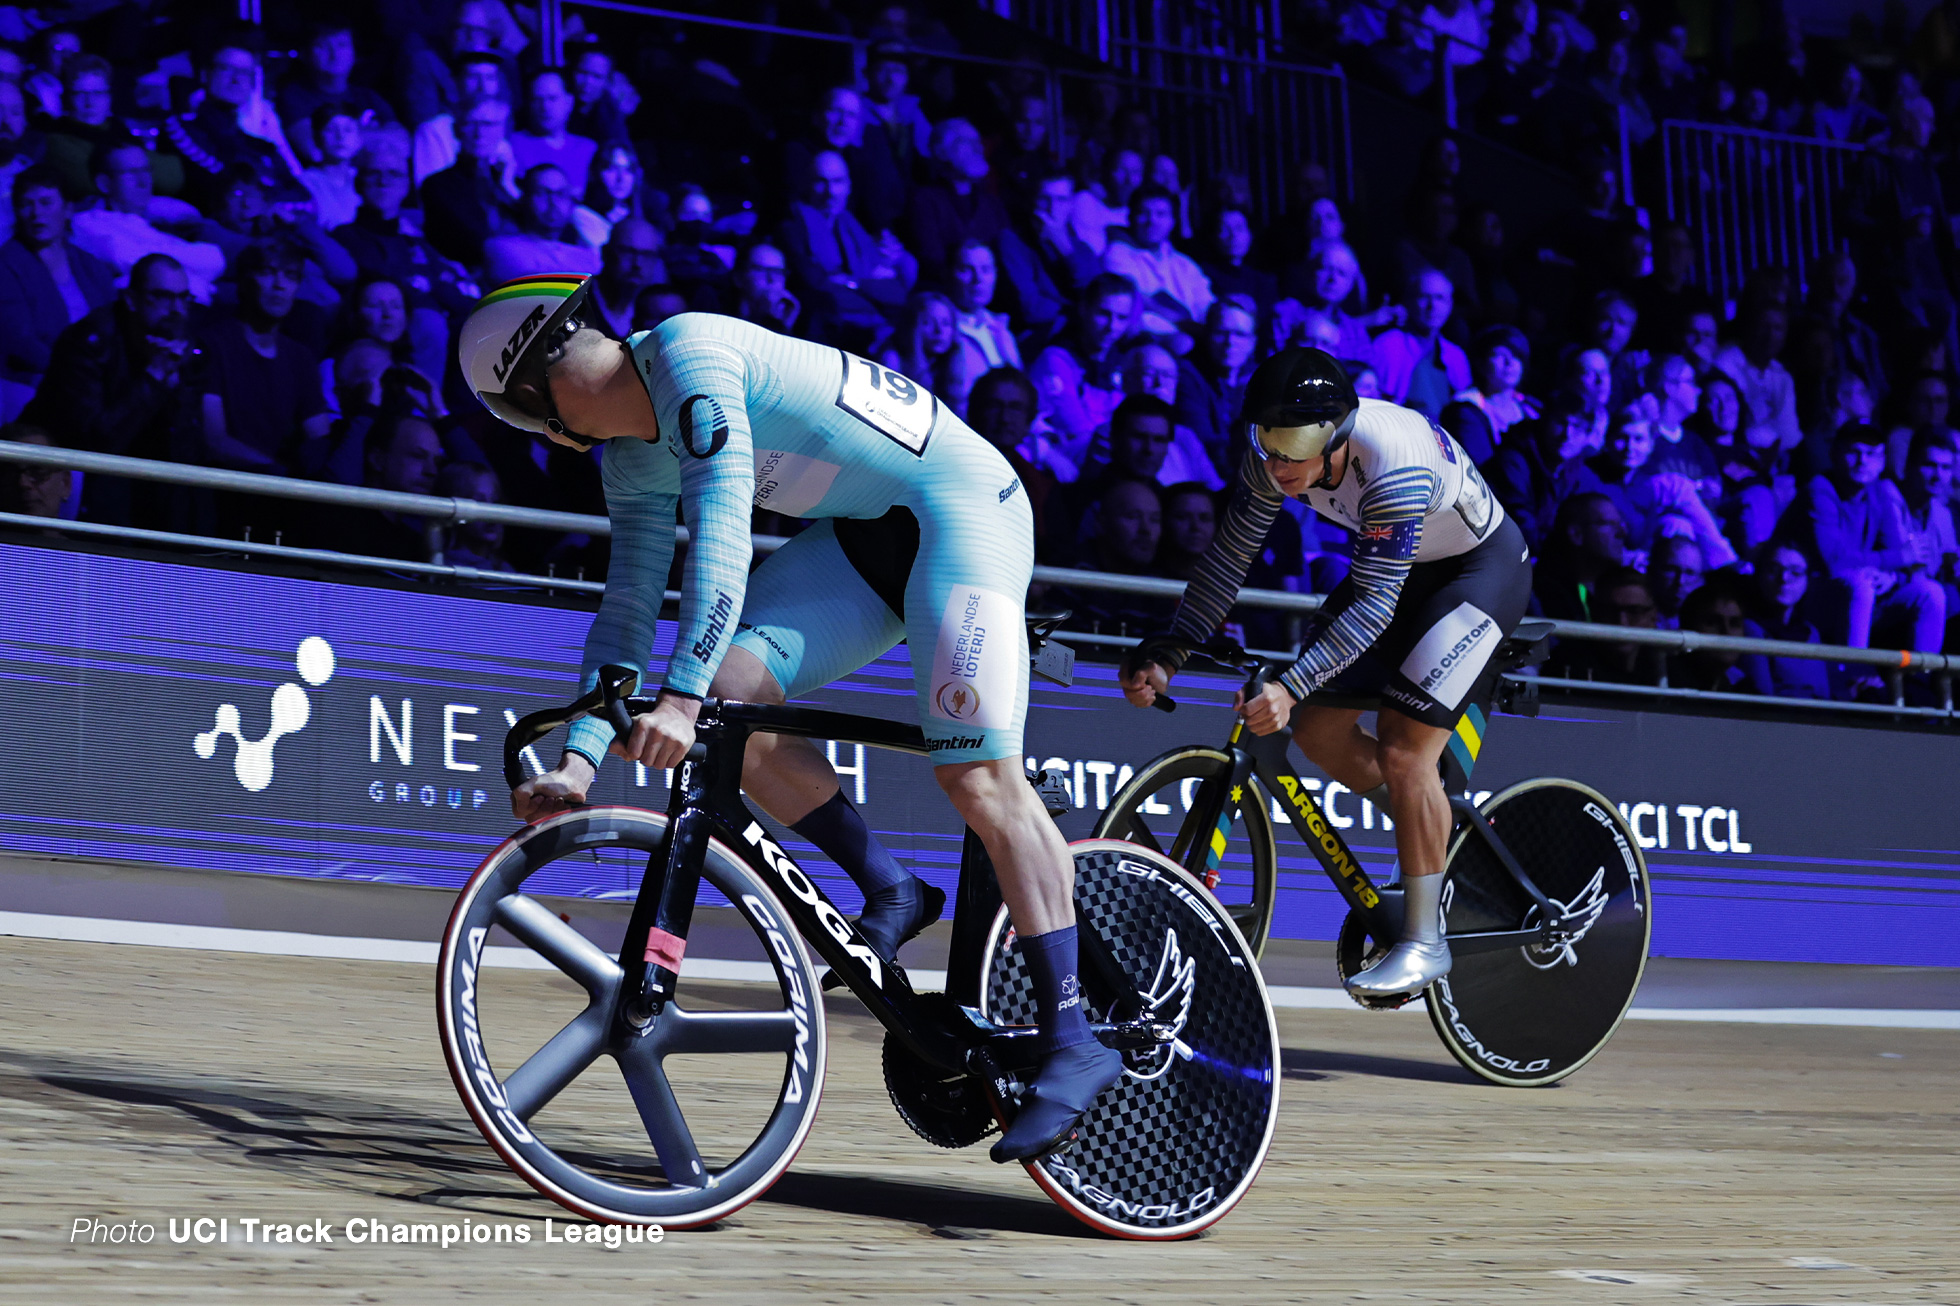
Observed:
{"x":1200,"y":843}
{"x":656,"y":933}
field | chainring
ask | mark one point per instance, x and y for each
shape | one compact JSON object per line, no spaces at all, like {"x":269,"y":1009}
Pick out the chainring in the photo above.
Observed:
{"x":945,"y":1111}
{"x":1354,"y":952}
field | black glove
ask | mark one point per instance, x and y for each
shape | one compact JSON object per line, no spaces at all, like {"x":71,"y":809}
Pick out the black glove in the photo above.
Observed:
{"x":1163,"y":648}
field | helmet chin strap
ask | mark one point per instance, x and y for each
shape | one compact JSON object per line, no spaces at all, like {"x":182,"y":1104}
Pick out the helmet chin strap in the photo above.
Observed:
{"x":1327,"y":470}
{"x":553,"y":423}
{"x":1334,"y":446}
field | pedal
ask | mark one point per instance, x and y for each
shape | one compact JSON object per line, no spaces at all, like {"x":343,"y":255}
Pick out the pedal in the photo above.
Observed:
{"x":1055,"y":661}
{"x":1393,"y":1003}
{"x":1138,"y":1035}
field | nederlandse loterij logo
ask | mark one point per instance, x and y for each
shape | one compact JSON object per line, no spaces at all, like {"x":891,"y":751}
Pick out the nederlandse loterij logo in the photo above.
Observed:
{"x":291,"y":710}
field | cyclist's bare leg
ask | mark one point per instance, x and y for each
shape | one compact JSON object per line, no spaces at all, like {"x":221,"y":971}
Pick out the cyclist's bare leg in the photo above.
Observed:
{"x":1037,"y":876}
{"x":1037,"y":880}
{"x":1407,"y":755}
{"x":787,"y":776}
{"x":791,"y":779}
{"x":1333,"y":740}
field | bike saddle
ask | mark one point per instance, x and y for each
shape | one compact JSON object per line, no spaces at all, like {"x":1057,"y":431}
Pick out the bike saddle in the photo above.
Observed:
{"x":1528,"y":643}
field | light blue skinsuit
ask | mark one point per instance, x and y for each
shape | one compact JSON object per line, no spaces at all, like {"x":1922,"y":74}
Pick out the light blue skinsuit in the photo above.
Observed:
{"x":749,"y":417}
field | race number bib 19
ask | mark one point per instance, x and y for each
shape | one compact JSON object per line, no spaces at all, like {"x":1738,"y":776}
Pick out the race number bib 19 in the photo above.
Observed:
{"x":883,"y":399}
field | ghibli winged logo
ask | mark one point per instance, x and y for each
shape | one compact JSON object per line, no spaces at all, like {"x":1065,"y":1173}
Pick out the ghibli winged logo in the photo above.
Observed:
{"x":1169,"y":1000}
{"x":1582,"y":913}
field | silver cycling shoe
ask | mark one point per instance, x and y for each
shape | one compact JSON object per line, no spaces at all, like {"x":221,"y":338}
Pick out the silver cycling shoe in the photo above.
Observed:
{"x":1409,"y":967}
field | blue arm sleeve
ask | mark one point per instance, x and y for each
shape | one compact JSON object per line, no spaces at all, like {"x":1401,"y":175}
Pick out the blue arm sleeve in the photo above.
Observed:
{"x":708,"y":430}
{"x":636,"y":583}
{"x":1384,"y":549}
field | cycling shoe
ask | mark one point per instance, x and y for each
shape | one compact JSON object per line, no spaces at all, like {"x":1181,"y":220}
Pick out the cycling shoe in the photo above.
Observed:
{"x":1408,"y":967}
{"x":893,"y":917}
{"x":1067,"y":1086}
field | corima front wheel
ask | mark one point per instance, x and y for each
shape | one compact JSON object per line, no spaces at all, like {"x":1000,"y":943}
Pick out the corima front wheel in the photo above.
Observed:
{"x":700,"y":1111}
{"x":1533,"y":1015}
{"x":1175,"y":1144}
{"x":1153,"y":810}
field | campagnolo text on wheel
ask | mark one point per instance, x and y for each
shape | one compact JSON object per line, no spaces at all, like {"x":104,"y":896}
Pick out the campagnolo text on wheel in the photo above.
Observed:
{"x":1524,"y":922}
{"x":1100,"y":1011}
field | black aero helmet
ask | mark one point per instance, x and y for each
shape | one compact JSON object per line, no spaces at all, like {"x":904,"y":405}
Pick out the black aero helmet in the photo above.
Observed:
{"x":1299,"y":404}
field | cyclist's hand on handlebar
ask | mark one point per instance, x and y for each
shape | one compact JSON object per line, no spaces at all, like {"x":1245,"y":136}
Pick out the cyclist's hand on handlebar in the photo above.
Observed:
{"x":662,"y":737}
{"x":554,"y":791}
{"x":1268,"y":710}
{"x":1143,"y":685}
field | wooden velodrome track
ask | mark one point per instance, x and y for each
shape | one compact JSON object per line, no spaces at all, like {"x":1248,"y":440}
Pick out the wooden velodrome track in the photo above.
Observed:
{"x":1705,"y":1162}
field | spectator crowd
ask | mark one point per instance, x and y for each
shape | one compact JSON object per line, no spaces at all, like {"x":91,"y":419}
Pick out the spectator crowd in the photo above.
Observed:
{"x":250,"y":247}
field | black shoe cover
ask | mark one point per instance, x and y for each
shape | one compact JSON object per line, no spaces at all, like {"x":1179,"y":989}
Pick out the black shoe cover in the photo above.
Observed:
{"x":1069,"y":1083}
{"x":894,"y":917}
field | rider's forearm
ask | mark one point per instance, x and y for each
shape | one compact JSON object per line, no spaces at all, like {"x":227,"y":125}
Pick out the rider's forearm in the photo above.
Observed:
{"x":1377,"y":586}
{"x":714,"y":586}
{"x":1215,"y":585}
{"x":636,"y":583}
{"x":712,"y":441}
{"x":1384,"y":550}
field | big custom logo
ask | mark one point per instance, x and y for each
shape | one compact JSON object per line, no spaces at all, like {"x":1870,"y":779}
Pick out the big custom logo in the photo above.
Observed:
{"x":291,"y":710}
{"x":1446,"y":662}
{"x":1458,"y":651}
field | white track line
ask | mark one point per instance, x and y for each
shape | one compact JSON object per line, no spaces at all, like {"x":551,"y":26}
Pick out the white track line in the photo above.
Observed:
{"x":284,"y":943}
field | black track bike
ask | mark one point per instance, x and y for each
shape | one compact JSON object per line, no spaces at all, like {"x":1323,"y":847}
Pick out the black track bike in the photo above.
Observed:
{"x":1546,"y":902}
{"x":719,"y":1097}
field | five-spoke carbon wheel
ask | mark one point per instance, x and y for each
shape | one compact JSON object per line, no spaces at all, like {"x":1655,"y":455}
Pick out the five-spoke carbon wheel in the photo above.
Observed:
{"x":711,"y":1099}
{"x":1172,"y":1146}
{"x":1153,"y":811}
{"x":1533,"y":1015}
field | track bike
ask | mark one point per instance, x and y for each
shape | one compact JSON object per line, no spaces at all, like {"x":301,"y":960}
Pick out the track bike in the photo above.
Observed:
{"x":1546,"y":904}
{"x":1167,"y":978}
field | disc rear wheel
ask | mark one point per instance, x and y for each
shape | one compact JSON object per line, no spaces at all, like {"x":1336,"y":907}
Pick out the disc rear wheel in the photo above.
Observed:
{"x":1173,"y":1145}
{"x":1534,"y":1014}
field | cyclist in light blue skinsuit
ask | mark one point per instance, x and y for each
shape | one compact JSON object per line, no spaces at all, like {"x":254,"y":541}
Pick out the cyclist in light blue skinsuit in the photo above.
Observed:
{"x":923,"y":533}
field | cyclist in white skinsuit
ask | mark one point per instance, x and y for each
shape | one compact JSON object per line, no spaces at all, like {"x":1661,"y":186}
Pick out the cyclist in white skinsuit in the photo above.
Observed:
{"x":1441,"y":577}
{"x":923,"y":533}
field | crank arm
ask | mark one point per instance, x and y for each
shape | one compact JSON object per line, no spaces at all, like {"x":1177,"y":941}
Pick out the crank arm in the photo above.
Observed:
{"x":1135,"y":1035}
{"x":1464,"y":945}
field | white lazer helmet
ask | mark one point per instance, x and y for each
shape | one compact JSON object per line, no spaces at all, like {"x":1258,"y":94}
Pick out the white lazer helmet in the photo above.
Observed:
{"x":520,"y":316}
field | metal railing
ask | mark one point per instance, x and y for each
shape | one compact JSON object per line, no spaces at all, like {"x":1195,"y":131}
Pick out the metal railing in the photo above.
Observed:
{"x":1285,"y":112}
{"x":1204,"y":126}
{"x":1754,"y":198}
{"x":438,"y":511}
